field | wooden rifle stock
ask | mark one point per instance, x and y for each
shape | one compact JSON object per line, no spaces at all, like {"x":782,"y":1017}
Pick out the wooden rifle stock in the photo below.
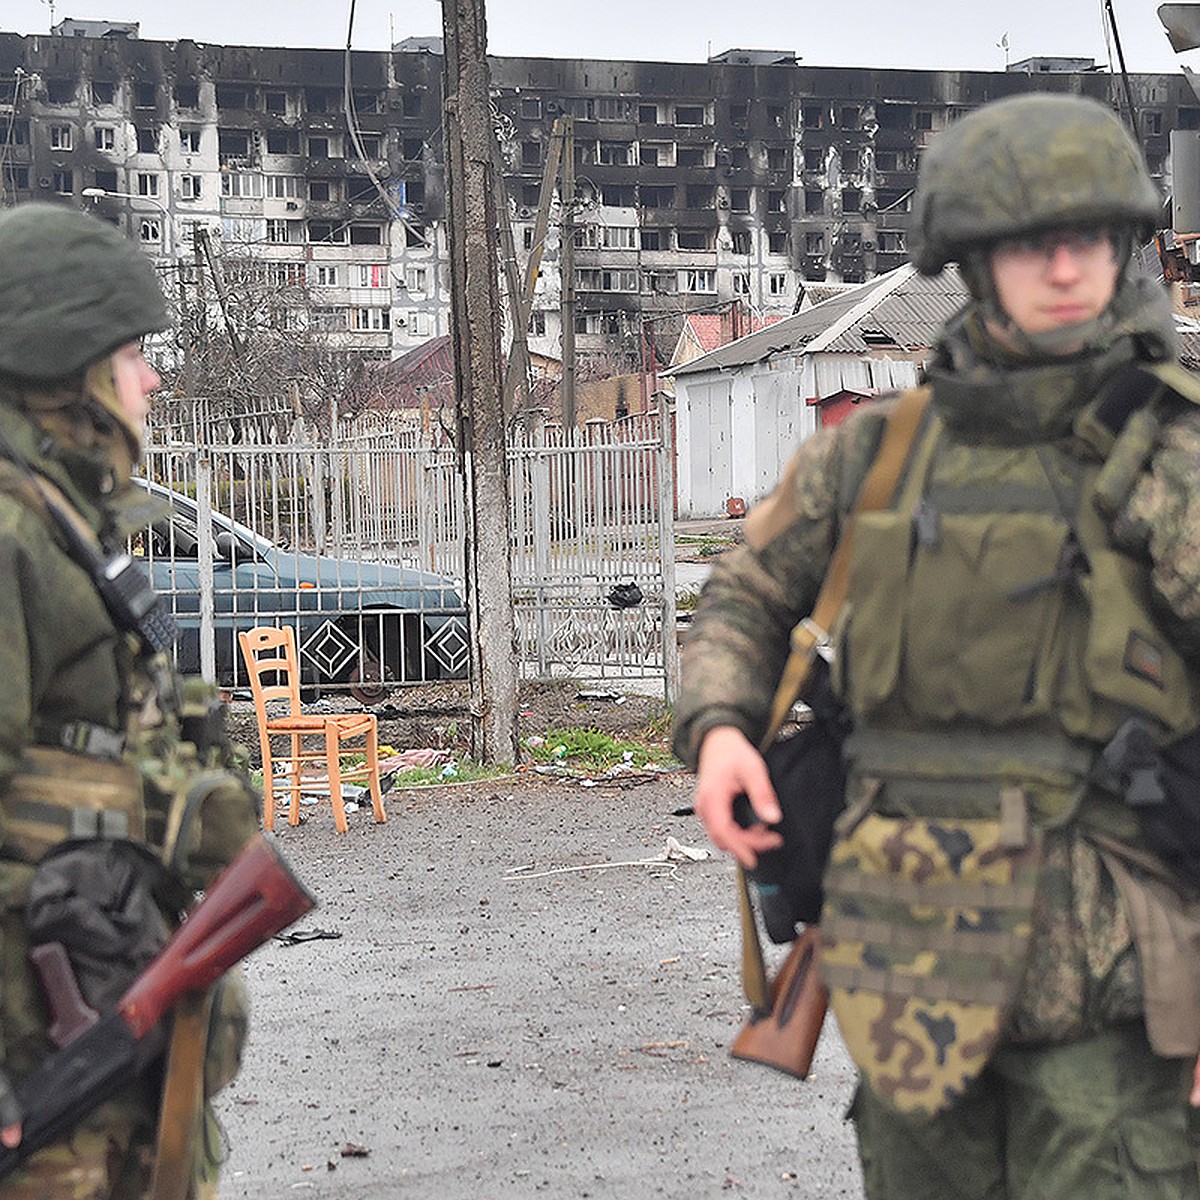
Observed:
{"x":785,"y":1035}
{"x":252,"y":900}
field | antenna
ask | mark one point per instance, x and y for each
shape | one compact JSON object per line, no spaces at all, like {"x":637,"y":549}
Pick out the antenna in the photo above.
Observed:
{"x":50,"y":4}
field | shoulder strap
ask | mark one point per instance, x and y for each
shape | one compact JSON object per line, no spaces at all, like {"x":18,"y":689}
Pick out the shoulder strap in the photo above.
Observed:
{"x":877,"y":490}
{"x":811,"y":634}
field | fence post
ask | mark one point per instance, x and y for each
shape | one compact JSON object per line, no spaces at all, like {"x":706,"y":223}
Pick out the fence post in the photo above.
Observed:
{"x":204,"y":564}
{"x":666,"y":542}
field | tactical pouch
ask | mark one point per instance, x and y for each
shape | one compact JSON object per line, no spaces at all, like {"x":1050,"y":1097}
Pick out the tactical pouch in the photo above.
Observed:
{"x":962,"y":613}
{"x":927,"y":924}
{"x":55,"y":795}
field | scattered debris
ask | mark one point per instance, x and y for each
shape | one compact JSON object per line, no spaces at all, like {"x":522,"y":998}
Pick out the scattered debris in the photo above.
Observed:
{"x":293,"y":937}
{"x":674,"y":853}
{"x":354,"y":1150}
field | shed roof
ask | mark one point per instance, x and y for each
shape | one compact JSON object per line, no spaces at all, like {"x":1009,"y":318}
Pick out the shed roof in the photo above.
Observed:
{"x":900,"y":309}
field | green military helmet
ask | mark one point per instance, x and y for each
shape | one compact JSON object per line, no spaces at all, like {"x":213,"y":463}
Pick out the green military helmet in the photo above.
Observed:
{"x":1022,"y":164}
{"x":72,"y":289}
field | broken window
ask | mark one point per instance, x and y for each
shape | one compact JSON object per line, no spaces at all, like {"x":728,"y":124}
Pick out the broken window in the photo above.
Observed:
{"x":689,"y":114}
{"x":411,"y":104}
{"x":776,"y":115}
{"x":366,"y":235}
{"x":368,"y":101}
{"x":189,"y":141}
{"x":923,"y":118}
{"x":233,"y":95}
{"x":694,"y":239}
{"x":145,"y":94}
{"x":1152,"y":122}
{"x":849,"y":116}
{"x":741,"y":241}
{"x":283,"y":141}
{"x":414,"y":235}
{"x":147,"y":141}
{"x":697,"y":195}
{"x":658,"y":154}
{"x":814,"y":158}
{"x":530,"y":108}
{"x":187,"y":95}
{"x":739,"y":158}
{"x":326,"y":231}
{"x":777,"y":241}
{"x":105,"y":137}
{"x":694,"y":156}
{"x":777,"y":200}
{"x":739,"y":111}
{"x":664,"y":282}
{"x":814,"y":243}
{"x":777,"y":158}
{"x":618,"y":195}
{"x":698,"y":280}
{"x":741,"y":283}
{"x":150,"y":229}
{"x":537,"y":323}
{"x":656,"y":239}
{"x":411,"y":148}
{"x":615,"y":154}
{"x":613,"y":108}
{"x":324,"y":189}
{"x":282,"y":232}
{"x":814,"y":201}
{"x":319,"y":100}
{"x":618,"y":237}
{"x":893,"y":116}
{"x":275,"y":103}
{"x":648,"y":114}
{"x":415,"y":280}
{"x":60,"y":91}
{"x":891,"y":241}
{"x":16,"y":177}
{"x":233,"y":143}
{"x":812,"y":116}
{"x":106,"y":180}
{"x":61,"y":137}
{"x":14,"y":134}
{"x":739,"y":200}
{"x":103,"y":91}
{"x":777,"y":284}
{"x":190,"y":187}
{"x":329,"y":318}
{"x":851,"y":158}
{"x":658,"y":196}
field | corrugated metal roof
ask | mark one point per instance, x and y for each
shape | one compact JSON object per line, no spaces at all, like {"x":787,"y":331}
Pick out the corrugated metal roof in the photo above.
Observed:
{"x":900,"y":309}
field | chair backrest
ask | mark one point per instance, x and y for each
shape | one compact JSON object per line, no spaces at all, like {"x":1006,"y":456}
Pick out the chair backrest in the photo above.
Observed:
{"x":272,"y":665}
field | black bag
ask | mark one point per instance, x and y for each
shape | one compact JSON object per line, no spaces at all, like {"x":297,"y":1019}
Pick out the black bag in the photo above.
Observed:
{"x":1172,"y":827}
{"x":807,"y":773}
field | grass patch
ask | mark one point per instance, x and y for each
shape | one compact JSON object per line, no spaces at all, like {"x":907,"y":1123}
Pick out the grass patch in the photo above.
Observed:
{"x":594,"y":750}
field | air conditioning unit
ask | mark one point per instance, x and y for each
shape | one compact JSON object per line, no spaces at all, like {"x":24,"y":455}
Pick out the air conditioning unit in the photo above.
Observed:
{"x":722,"y":203}
{"x":525,"y":213}
{"x":292,"y":205}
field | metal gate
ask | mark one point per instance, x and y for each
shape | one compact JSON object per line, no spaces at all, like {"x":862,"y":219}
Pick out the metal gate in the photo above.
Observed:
{"x":356,"y":537}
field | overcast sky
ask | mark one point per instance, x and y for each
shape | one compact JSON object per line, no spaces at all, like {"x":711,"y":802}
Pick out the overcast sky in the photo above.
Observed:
{"x":945,"y":34}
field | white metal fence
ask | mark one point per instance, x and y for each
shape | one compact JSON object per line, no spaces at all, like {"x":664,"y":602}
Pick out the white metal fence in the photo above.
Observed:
{"x":356,"y":537}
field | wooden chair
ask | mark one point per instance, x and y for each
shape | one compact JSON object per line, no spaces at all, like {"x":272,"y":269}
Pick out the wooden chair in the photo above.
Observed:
{"x":271,"y":662}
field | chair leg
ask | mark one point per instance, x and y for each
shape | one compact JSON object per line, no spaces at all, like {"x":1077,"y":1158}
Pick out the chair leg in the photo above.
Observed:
{"x":268,"y":783}
{"x":294,"y":781}
{"x":373,"y":773}
{"x":333,"y":764}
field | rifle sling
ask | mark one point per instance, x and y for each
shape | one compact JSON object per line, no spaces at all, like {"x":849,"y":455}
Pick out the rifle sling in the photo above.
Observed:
{"x":812,"y":633}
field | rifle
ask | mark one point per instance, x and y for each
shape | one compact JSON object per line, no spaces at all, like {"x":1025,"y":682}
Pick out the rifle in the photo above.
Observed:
{"x":253,"y":899}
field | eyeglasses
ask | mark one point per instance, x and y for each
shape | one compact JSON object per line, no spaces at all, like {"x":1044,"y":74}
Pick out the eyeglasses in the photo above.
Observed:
{"x":1085,"y":246}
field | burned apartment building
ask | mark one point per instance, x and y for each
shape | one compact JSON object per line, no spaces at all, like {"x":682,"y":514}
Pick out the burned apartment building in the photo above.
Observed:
{"x":697,"y":186}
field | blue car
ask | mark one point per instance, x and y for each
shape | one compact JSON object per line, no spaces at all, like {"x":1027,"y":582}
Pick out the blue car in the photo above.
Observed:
{"x":360,"y":626}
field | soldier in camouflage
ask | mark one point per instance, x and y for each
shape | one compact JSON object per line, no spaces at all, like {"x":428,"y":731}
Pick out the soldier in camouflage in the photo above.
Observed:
{"x":1013,"y":965}
{"x":95,"y":746}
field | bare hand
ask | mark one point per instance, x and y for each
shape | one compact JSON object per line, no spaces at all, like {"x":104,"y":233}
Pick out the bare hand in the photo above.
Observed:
{"x":10,"y":1136}
{"x":729,"y":764}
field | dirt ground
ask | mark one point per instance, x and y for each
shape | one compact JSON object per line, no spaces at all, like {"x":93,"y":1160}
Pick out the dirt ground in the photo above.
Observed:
{"x":518,"y":997}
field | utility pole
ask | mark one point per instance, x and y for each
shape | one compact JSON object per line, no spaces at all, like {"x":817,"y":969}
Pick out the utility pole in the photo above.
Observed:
{"x":475,"y":334}
{"x":568,"y":279}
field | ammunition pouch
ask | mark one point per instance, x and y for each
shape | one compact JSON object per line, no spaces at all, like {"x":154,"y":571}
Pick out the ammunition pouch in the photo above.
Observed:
{"x":102,"y":901}
{"x":56,"y":794}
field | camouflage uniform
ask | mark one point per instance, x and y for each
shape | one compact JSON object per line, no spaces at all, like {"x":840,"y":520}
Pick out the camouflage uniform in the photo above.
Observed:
{"x":89,"y":719}
{"x":988,"y":945}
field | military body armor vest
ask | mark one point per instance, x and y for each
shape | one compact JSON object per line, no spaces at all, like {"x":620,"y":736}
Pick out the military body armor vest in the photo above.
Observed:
{"x":993,"y":644}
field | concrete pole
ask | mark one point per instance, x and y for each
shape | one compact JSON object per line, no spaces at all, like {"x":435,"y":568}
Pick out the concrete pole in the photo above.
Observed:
{"x":475,"y":333}
{"x":567,"y":255}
